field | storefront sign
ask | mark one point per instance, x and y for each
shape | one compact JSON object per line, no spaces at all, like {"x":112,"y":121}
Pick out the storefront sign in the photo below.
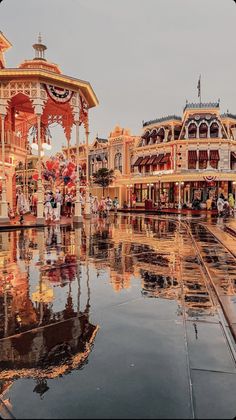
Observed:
{"x":163,"y":172}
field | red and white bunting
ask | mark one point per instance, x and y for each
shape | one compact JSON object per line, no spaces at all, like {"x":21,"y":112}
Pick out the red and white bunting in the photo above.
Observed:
{"x":58,"y":94}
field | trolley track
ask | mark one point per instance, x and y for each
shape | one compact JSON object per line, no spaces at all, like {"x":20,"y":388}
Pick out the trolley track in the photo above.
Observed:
{"x":218,"y":266}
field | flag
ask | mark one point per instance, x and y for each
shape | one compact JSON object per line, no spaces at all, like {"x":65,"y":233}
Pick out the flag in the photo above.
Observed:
{"x":199,"y":87}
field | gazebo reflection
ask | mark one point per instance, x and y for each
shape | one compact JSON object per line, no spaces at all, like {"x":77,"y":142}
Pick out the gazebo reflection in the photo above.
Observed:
{"x":56,"y":341}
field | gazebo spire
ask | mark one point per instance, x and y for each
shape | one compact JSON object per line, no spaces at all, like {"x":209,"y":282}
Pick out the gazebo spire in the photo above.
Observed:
{"x":40,"y":49}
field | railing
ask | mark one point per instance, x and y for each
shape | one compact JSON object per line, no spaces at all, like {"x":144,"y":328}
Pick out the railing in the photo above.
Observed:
{"x":11,"y":139}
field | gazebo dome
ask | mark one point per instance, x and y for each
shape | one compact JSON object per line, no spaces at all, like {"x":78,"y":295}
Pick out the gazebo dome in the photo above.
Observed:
{"x":39,"y":61}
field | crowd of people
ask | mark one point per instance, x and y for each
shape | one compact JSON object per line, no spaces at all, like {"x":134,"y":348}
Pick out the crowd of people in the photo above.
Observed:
{"x":224,"y":206}
{"x":58,"y":204}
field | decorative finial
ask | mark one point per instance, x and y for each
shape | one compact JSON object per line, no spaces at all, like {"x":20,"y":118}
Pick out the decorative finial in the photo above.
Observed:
{"x":40,"y":49}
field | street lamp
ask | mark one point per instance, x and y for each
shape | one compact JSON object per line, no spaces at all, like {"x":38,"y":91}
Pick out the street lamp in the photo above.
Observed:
{"x":234,"y":184}
{"x":150,"y":191}
{"x":129,"y":186}
{"x":179,"y":184}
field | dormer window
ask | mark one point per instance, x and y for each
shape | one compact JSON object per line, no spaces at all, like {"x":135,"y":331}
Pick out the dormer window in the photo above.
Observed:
{"x":192,"y":131}
{"x":203,"y":131}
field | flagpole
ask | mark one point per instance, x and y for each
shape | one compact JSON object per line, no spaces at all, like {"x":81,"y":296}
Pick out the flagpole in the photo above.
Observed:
{"x":200,"y":91}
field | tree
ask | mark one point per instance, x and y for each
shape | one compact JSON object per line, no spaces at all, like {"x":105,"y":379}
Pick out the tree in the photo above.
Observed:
{"x":103,"y":177}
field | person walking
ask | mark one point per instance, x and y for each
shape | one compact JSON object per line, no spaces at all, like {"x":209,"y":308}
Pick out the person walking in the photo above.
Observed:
{"x":115,"y":204}
{"x":68,"y":203}
{"x":95,"y":205}
{"x":231,"y":203}
{"x":220,"y":205}
{"x":47,"y":206}
{"x":108,"y":204}
{"x":102,"y":208}
{"x":58,"y":200}
{"x":21,"y":206}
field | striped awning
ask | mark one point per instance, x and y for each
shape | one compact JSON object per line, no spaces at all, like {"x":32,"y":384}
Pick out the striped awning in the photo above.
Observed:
{"x":214,"y":155}
{"x":138,"y":161}
{"x":151,"y":160}
{"x":166,"y":158}
{"x":145,"y":160}
{"x":158,"y":159}
{"x":203,"y":155}
{"x":192,"y":156}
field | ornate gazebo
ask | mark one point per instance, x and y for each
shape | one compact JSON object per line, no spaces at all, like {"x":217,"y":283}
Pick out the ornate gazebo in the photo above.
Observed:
{"x":32,"y":97}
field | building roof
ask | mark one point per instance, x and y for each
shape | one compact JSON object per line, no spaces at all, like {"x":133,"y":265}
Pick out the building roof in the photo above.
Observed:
{"x":99,"y":140}
{"x":160,"y":120}
{"x":202,"y":105}
{"x":228,"y":115}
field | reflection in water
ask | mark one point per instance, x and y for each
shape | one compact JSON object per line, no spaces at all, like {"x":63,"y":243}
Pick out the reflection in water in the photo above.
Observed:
{"x":45,"y":287}
{"x":39,"y":340}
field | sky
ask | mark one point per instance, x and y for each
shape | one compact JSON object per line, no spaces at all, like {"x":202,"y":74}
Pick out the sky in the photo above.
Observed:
{"x":142,"y":57}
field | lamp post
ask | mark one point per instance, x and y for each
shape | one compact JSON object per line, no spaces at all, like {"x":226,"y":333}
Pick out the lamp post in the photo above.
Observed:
{"x":129,"y":186}
{"x":4,"y":208}
{"x":179,"y":184}
{"x":234,"y":184}
{"x":77,"y":215}
{"x":41,"y":142}
{"x":87,"y":207}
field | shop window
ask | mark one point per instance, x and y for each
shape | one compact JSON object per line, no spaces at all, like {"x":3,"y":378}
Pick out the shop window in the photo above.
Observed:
{"x":192,"y":164}
{"x":203,"y":164}
{"x":214,"y":164}
{"x":118,"y":162}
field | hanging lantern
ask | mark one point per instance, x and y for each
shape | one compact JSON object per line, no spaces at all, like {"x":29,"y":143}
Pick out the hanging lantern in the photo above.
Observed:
{"x":34,"y":144}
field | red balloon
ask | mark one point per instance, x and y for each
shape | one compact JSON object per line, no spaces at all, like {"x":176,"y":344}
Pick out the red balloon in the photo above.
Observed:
{"x":49,"y":165}
{"x":35,"y":177}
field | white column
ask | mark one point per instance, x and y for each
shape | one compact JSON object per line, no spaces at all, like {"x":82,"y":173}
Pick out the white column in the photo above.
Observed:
{"x":40,"y":205}
{"x":87,"y":207}
{"x":77,"y":216}
{"x":198,"y":132}
{"x":4,"y":208}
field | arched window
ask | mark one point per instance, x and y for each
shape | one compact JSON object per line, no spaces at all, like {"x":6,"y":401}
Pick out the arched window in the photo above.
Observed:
{"x":214,"y":130}
{"x":153,"y":136}
{"x":203,"y":131}
{"x":118,"y":162}
{"x":160,"y":135}
{"x":192,"y":131}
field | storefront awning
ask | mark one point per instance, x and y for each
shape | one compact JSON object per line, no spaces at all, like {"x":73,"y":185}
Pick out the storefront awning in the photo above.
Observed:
{"x":192,"y":156}
{"x":138,"y":161}
{"x":158,"y":159}
{"x":145,"y":160}
{"x":214,"y":155}
{"x":233,"y":156}
{"x":151,"y":160}
{"x":203,"y":155}
{"x":166,"y":158}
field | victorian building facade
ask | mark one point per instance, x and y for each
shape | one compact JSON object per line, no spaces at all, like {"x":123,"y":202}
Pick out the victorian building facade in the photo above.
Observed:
{"x":176,"y":159}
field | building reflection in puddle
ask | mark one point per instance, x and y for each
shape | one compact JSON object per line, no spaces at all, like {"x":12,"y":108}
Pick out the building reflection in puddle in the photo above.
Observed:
{"x":45,"y":330}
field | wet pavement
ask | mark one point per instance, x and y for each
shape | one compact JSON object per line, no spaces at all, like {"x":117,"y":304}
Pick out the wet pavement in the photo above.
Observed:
{"x":117,"y":319}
